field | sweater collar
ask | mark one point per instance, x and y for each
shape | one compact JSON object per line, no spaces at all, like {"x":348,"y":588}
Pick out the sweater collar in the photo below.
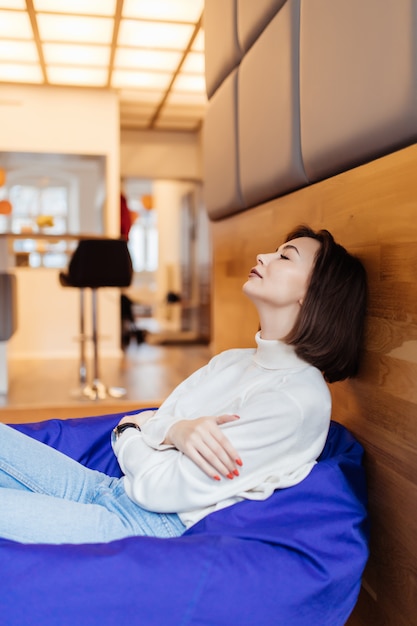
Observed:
{"x":273,"y":354}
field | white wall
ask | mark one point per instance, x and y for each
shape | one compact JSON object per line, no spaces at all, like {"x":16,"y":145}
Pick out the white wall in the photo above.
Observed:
{"x":48,"y":318}
{"x":67,"y":121}
{"x":82,"y":121}
{"x":161,"y":155}
{"x":82,"y":175}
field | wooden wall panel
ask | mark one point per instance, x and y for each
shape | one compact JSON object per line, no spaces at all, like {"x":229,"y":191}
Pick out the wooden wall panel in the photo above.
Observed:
{"x":372,"y":210}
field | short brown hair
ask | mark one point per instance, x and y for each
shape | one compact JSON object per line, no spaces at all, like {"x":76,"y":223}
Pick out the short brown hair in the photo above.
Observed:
{"x":328,"y":332}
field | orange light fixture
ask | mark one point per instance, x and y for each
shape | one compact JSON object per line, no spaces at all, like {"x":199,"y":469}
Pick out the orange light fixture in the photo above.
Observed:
{"x":147,"y":202}
{"x":5,"y":207}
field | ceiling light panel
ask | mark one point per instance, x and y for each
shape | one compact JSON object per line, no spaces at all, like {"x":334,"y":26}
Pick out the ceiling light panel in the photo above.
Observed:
{"x":83,"y":7}
{"x":15,"y":25}
{"x":20,"y":73}
{"x":75,"y":28}
{"x":138,"y":95}
{"x":12,"y":4}
{"x":180,"y":112}
{"x":187,"y":97}
{"x":68,"y":54}
{"x":161,"y":60}
{"x":76,"y":38}
{"x":178,"y":11}
{"x":177,"y":123}
{"x":189,"y":82}
{"x":145,"y":80}
{"x":141,"y":108}
{"x":194,"y":63}
{"x":12,"y":50}
{"x":77,"y":76}
{"x":198,"y":43}
{"x":154,"y":35}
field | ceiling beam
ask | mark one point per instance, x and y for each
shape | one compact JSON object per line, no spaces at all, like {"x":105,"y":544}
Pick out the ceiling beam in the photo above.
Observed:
{"x":156,"y":115}
{"x":32,"y":16}
{"x":116,"y":26}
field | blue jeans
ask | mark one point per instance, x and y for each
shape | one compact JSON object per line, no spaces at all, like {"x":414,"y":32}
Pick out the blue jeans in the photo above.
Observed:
{"x":47,"y":497}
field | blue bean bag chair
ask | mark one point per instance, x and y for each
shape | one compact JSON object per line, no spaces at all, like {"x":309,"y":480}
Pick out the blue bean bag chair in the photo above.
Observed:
{"x":295,"y":559}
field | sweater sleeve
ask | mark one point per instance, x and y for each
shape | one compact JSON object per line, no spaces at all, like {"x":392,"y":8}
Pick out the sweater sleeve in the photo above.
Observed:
{"x":156,"y":428}
{"x":276,"y":450}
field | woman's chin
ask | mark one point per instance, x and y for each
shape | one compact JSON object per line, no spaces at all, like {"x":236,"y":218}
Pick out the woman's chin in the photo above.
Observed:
{"x":246,"y":288}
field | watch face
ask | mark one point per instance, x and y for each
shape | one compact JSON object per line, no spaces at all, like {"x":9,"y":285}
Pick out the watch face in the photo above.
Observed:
{"x":114,"y":435}
{"x":120,"y":428}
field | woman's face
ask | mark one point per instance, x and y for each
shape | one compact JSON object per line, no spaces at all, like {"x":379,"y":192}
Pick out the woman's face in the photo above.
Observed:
{"x":280,"y":279}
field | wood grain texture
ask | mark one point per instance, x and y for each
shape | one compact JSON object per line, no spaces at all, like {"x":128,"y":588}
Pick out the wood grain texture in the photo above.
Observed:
{"x":372,"y":211}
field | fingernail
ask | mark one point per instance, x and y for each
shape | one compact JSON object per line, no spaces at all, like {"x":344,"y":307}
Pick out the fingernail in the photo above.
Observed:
{"x":230,"y":476}
{"x":239,"y":462}
{"x":216,"y":477}
{"x":236,"y":472}
{"x":237,"y":416}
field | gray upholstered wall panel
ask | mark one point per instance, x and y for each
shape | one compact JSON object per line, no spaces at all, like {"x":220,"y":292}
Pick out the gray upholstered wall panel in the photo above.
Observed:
{"x":268,"y":105}
{"x":222,"y":49}
{"x":358,"y":81}
{"x":221,"y":169}
{"x":252,"y":17}
{"x":8,"y":306}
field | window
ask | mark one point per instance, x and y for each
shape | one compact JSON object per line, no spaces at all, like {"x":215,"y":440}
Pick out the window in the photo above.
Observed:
{"x":55,"y":198}
{"x":38,"y":208}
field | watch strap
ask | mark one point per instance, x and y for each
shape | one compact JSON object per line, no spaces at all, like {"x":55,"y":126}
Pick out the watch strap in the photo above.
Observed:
{"x":120,"y":428}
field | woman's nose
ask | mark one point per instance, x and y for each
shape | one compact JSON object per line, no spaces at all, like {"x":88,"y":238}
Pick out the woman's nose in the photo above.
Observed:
{"x":264,"y":258}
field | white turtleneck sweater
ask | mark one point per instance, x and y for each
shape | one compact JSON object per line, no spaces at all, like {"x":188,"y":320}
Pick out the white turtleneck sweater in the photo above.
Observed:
{"x":284,"y":406}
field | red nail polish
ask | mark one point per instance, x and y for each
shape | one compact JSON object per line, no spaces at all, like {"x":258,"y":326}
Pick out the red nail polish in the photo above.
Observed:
{"x":239,"y":462}
{"x":230,"y":476}
{"x":236,"y":472}
{"x":216,"y":477}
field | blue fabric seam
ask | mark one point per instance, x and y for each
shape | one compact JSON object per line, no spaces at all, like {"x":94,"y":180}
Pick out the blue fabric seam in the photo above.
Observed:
{"x":193,"y":604}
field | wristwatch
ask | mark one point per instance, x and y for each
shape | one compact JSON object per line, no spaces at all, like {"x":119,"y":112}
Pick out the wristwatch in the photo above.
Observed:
{"x":120,"y":428}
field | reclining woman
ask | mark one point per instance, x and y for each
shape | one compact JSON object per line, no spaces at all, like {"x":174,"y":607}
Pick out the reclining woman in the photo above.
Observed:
{"x":249,"y":422}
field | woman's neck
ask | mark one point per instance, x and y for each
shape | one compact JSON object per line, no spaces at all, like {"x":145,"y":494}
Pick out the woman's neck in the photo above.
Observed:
{"x":276,"y":324}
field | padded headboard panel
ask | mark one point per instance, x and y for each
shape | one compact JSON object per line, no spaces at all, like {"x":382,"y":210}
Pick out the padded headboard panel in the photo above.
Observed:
{"x":222,"y":50}
{"x":268,"y":111}
{"x":319,"y":86}
{"x":252,"y":17}
{"x":358,"y":81}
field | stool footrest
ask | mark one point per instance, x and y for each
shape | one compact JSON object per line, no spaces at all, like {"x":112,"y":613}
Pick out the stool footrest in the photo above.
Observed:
{"x":98,"y":391}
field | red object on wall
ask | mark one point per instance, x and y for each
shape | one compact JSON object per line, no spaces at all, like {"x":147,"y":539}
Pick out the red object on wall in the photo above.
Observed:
{"x":125,"y":218}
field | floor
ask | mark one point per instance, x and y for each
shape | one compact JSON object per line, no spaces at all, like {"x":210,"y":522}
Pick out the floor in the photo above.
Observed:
{"x":45,"y":389}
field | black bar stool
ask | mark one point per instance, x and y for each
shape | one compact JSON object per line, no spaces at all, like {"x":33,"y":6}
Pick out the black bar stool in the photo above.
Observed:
{"x":96,"y":263}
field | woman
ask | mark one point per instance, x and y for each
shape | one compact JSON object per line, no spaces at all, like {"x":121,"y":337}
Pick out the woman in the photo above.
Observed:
{"x":249,"y":422}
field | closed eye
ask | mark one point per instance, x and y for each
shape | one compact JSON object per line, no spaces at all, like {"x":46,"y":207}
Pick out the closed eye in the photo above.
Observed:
{"x":282,"y":256}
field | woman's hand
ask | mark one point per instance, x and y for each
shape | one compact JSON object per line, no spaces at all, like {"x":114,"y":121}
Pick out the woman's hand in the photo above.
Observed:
{"x":138,"y":418}
{"x":204,"y":442}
